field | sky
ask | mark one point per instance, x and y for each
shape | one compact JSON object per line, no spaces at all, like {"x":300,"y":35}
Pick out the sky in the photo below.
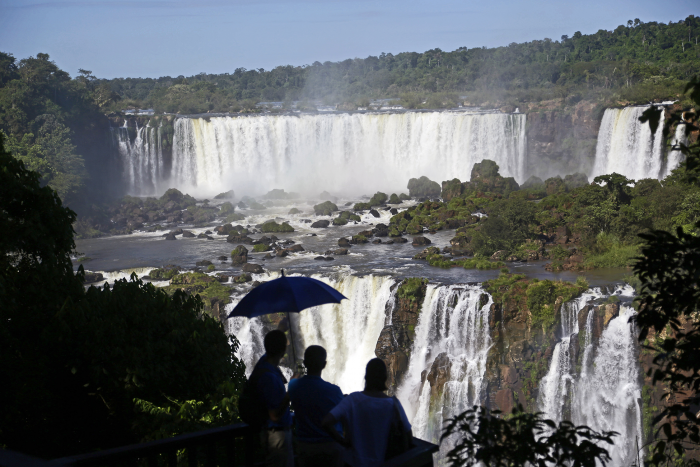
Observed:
{"x":153,"y":38}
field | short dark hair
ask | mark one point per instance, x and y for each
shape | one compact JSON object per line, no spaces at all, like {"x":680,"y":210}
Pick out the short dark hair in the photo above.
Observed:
{"x":275,"y":342}
{"x":375,"y":375}
{"x":314,"y":357}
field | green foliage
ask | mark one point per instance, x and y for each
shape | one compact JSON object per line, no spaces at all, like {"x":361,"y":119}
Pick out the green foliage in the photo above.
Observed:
{"x":359,"y":239}
{"x":325,"y":209}
{"x":197,"y":283}
{"x":79,"y":358}
{"x":226,"y":195}
{"x":440,"y":261}
{"x":522,"y":439}
{"x":235,"y":217}
{"x":211,"y":267}
{"x":361,"y":207}
{"x":261,"y":247}
{"x":412,"y":289}
{"x":349,"y":216}
{"x":274,"y":227}
{"x":340,"y":221}
{"x":164,"y":274}
{"x":423,"y":187}
{"x":394,"y":199}
{"x":609,"y":252}
{"x":559,"y":252}
{"x":542,"y":296}
{"x":226,"y":209}
{"x":294,"y":211}
{"x":378,"y":199}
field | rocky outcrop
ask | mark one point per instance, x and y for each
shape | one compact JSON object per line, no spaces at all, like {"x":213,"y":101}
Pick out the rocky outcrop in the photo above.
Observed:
{"x":239,"y":255}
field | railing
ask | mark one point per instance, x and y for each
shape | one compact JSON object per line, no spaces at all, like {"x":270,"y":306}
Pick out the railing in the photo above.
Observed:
{"x":228,"y":446}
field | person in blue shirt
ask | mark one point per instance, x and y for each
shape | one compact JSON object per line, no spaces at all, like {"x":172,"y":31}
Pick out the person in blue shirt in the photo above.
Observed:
{"x":276,"y":435}
{"x":312,"y":399}
{"x":367,"y":418}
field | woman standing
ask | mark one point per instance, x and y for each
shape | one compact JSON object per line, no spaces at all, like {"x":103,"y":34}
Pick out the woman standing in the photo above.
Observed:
{"x":375,"y":424}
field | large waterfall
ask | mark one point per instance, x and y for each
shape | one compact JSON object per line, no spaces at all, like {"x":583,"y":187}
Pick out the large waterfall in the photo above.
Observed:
{"x":593,"y":378}
{"x":601,"y":390}
{"x":626,"y":146}
{"x":142,"y":159}
{"x":354,"y":153}
{"x":448,"y":359}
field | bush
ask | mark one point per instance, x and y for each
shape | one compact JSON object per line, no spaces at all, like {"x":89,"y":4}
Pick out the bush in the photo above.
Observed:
{"x":361,"y":207}
{"x":412,"y":289}
{"x":261,"y":248}
{"x":211,"y":267}
{"x":325,"y":209}
{"x":339,"y":221}
{"x":394,"y":199}
{"x":226,"y":208}
{"x":274,"y":227}
{"x":423,"y":187}
{"x":378,"y":199}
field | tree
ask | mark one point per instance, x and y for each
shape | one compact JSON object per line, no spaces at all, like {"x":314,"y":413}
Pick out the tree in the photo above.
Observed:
{"x":79,"y":360}
{"x":669,"y":271}
{"x":523,"y":439}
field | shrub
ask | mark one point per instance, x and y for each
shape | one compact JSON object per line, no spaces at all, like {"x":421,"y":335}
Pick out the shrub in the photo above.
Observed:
{"x":226,"y":208}
{"x":412,"y":289}
{"x":211,"y":267}
{"x":325,"y":209}
{"x":423,"y":187}
{"x":274,"y":227}
{"x":394,"y":199}
{"x":378,"y":199}
{"x":261,"y":248}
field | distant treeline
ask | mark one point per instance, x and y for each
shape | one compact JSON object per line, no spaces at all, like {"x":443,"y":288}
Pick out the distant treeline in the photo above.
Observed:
{"x":635,"y":62}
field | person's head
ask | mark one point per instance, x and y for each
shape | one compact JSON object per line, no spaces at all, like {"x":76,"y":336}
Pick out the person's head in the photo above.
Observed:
{"x":275,"y":344}
{"x":375,"y":375}
{"x":315,"y":359}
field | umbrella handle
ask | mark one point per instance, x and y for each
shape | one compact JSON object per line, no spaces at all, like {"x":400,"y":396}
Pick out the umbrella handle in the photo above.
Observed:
{"x":291,"y":339}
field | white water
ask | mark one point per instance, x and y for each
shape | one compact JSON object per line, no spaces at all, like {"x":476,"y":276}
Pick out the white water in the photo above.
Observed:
{"x":626,"y":146}
{"x":142,"y":160}
{"x":357,"y":153}
{"x":606,"y":396}
{"x":451,"y":323}
{"x":675,"y":156}
{"x":348,"y":331}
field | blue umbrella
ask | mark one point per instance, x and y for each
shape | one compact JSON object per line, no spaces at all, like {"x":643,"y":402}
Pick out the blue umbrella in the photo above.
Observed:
{"x":286,"y":295}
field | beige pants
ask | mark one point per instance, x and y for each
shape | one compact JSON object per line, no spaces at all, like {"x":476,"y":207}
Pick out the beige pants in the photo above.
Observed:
{"x":329,"y":454}
{"x":278,"y":448}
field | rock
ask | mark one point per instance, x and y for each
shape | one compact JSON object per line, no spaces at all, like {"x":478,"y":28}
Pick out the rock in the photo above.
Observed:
{"x":438,"y":374}
{"x":170,"y":236}
{"x":328,"y":258}
{"x":341,"y":251}
{"x":223,"y":258}
{"x":377,"y":241}
{"x":325,"y":209}
{"x":239,"y":255}
{"x":93,"y":277}
{"x":281,"y":253}
{"x":344,"y":242}
{"x":366,"y":233}
{"x":188,"y":234}
{"x":389,"y":242}
{"x":243,"y":278}
{"x":375,"y":213}
{"x":321,"y":258}
{"x":322,"y":224}
{"x":400,"y":240}
{"x":253,"y":268}
{"x":295,"y":249}
{"x":381,"y":230}
{"x":421,"y":241}
{"x":500,"y":255}
{"x":393,"y":211}
{"x":268,"y":256}
{"x":505,"y":400}
{"x":203,"y":263}
{"x":610,"y":310}
{"x":240,"y":239}
{"x":176,"y":232}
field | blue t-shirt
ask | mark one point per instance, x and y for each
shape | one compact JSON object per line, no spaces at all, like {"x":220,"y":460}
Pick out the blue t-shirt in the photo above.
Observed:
{"x":367,"y":422}
{"x":271,"y":391}
{"x":312,"y":399}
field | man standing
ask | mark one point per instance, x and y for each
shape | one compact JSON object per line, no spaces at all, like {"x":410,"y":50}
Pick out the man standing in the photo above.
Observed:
{"x":276,"y":434}
{"x":312,"y":398}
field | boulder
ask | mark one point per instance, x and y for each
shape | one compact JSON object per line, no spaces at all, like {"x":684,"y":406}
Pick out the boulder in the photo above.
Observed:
{"x":281,"y":253}
{"x":203,"y":263}
{"x":240,"y":239}
{"x":320,"y":258}
{"x":381,"y":230}
{"x":295,"y":249}
{"x":239,"y":255}
{"x":393,"y":211}
{"x":322,"y":224}
{"x":188,"y":234}
{"x":400,"y":240}
{"x":421,"y":241}
{"x":377,"y":240}
{"x":500,"y":255}
{"x":325,"y":209}
{"x":374,"y":212}
{"x":93,"y":277}
{"x":341,"y":251}
{"x":252,"y":268}
{"x":344,"y":242}
{"x":223,"y":258}
{"x":170,"y":236}
{"x":389,"y":242}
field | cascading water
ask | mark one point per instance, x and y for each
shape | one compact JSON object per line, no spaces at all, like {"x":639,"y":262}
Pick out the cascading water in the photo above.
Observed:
{"x":448,"y":358}
{"x":348,"y":331}
{"x":555,"y":387}
{"x":627,"y":147}
{"x":675,"y":156}
{"x":606,"y":395}
{"x":142,"y":159}
{"x":349,"y":152}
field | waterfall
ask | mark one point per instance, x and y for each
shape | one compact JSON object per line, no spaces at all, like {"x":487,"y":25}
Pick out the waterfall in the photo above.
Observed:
{"x":556,"y":385}
{"x":627,"y":147}
{"x":675,"y":156}
{"x":142,"y":159}
{"x":451,"y":344}
{"x":606,"y":395}
{"x":348,"y":331}
{"x":348,"y":152}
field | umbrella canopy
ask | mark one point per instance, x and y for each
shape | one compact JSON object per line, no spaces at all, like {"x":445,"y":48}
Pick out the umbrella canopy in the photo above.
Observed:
{"x":285,"y":295}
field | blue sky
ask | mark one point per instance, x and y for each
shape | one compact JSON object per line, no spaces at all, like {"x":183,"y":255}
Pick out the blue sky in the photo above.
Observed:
{"x":152,"y":38}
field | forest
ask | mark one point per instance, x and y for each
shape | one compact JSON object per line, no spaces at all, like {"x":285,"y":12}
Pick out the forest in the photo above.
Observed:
{"x":636,"y":62}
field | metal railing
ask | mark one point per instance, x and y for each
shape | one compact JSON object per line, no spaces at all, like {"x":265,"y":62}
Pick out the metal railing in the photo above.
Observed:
{"x":229,"y":446}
